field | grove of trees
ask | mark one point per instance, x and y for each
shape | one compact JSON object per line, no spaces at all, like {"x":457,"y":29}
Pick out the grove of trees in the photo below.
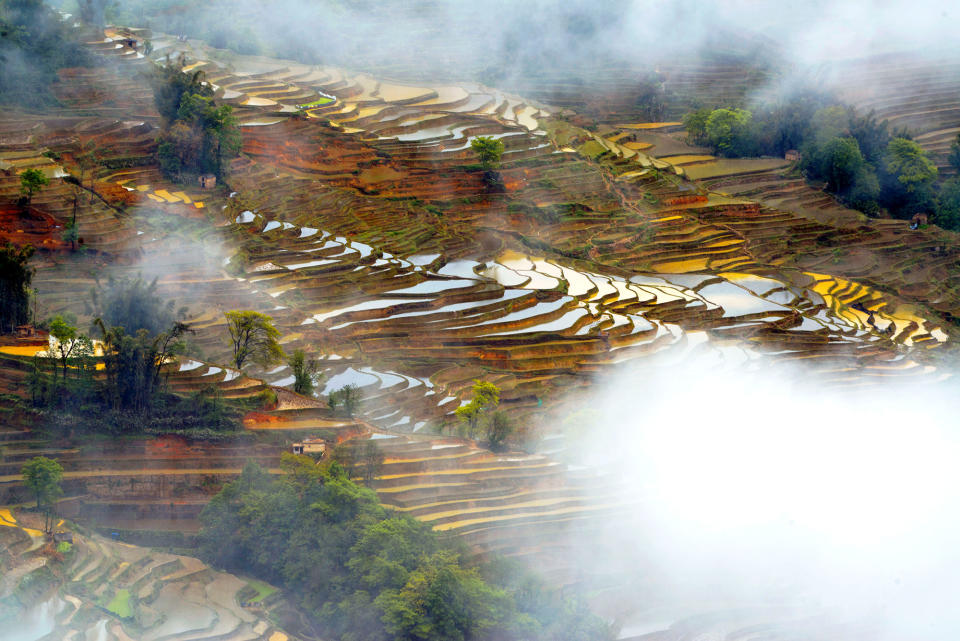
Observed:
{"x":362,"y":571}
{"x":867,"y":166}
{"x":42,"y":477}
{"x":137,"y":334}
{"x":346,"y":399}
{"x":197,"y":135}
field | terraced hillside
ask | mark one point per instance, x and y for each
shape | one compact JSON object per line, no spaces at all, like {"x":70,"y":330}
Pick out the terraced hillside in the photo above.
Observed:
{"x":101,"y":589}
{"x":357,"y":219}
{"x":920,"y":92}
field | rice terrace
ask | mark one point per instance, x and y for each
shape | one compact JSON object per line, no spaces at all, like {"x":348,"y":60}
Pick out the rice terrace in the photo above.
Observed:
{"x":418,"y":320}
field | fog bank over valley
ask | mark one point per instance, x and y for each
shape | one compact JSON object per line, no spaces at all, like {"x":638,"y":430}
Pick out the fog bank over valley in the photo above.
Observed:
{"x":782,"y":497}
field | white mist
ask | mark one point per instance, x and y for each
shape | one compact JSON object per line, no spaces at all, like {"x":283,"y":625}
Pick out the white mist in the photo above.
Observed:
{"x":759,"y":488}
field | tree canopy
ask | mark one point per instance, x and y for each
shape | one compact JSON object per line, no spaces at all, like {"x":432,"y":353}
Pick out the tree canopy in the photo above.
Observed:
{"x":304,"y":372}
{"x":489,"y":151}
{"x":253,"y":338}
{"x":133,"y":363}
{"x":726,"y":130}
{"x":70,"y":342}
{"x":909,"y":163}
{"x":948,"y":205}
{"x":862,"y":162}
{"x":31,"y":180}
{"x":171,"y":84}
{"x":486,"y":397}
{"x":840,"y":163}
{"x":198,"y":136}
{"x":954,"y":157}
{"x":42,"y":476}
{"x":365,"y":572}
{"x":347,"y":398}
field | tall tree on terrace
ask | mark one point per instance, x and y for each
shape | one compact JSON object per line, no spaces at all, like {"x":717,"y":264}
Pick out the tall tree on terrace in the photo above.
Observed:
{"x":198,"y":136}
{"x":910,"y":164}
{"x":42,"y":476}
{"x":70,"y":343}
{"x":346,"y":398}
{"x":489,"y":151}
{"x":841,"y":160}
{"x":253,"y":338}
{"x":486,"y":398}
{"x":31,"y":181}
{"x":726,"y":130}
{"x":304,"y":371}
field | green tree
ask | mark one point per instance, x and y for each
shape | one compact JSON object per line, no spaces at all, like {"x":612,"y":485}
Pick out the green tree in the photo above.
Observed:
{"x":486,"y":398}
{"x":489,"y":151}
{"x":71,"y":234}
{"x":910,"y":164}
{"x":695,"y":122}
{"x":42,"y":476}
{"x":253,"y":338}
{"x":346,"y":398}
{"x":346,"y":457}
{"x":366,"y":572}
{"x":727,"y":130}
{"x":908,"y":178}
{"x":948,"y":205}
{"x":388,"y":551}
{"x":954,"y":157}
{"x":133,"y":364}
{"x":442,"y":601}
{"x":171,"y":83}
{"x":197,"y":135}
{"x":304,"y":372}
{"x":31,"y":180}
{"x":863,"y":195}
{"x":840,"y":162}
{"x":827,"y":123}
{"x":15,"y":277}
{"x":70,"y":342}
{"x":872,"y":136}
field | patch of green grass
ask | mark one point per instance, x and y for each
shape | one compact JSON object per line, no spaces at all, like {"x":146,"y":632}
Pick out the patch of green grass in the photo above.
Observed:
{"x":263,"y":590}
{"x":63,"y":547}
{"x":121,"y":604}
{"x":592,"y":149}
{"x":315,"y":103}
